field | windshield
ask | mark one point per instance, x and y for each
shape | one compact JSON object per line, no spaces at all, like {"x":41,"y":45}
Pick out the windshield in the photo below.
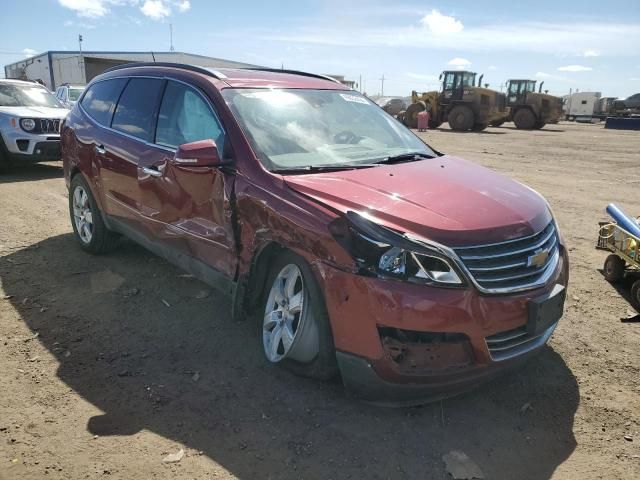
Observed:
{"x":295,"y":128}
{"x":531,"y":86}
{"x":468,"y":79}
{"x":26,"y":96}
{"x":74,"y":93}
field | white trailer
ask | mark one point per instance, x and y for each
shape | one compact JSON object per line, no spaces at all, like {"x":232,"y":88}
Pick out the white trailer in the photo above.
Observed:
{"x":53,"y":68}
{"x":581,"y":106}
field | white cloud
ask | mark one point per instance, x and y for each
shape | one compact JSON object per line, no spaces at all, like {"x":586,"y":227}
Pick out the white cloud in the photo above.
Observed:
{"x":542,"y":75}
{"x":591,"y":53}
{"x":459,"y":62}
{"x":523,"y":37}
{"x":86,"y":8}
{"x":29,"y":52}
{"x":155,"y":9}
{"x":184,"y":5}
{"x":440,"y":24}
{"x":575,"y":68}
{"x":492,"y":67}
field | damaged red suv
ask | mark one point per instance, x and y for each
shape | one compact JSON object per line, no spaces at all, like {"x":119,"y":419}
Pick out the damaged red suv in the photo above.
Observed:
{"x":362,"y":251}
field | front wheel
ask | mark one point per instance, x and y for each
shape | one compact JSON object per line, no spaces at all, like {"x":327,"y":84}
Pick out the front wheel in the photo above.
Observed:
{"x":524,"y":119}
{"x":295,"y":327}
{"x":86,"y":219}
{"x":461,"y":118}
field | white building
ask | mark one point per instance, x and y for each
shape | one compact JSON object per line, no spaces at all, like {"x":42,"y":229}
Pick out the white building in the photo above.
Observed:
{"x":54,"y":68}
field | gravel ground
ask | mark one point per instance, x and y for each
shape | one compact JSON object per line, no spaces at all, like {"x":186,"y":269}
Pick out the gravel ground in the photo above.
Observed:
{"x":108,"y":364}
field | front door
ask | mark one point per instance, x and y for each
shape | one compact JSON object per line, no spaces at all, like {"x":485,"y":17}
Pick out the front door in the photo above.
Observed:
{"x":188,"y":202}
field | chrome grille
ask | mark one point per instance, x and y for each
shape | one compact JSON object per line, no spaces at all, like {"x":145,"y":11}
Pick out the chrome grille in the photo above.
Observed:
{"x":48,"y":125}
{"x":515,"y":264}
{"x":509,"y":344}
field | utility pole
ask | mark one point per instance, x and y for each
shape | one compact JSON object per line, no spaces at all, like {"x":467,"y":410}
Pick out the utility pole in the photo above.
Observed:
{"x":171,"y":49}
{"x":382,"y":88}
{"x":80,"y":60}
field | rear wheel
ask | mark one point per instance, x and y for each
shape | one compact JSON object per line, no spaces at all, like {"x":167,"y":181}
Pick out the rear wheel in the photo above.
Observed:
{"x":434,"y":123}
{"x":635,"y":295}
{"x":86,"y":219}
{"x":524,"y":119}
{"x":614,"y":268}
{"x":497,"y":123}
{"x":295,"y":329}
{"x":460,"y":118}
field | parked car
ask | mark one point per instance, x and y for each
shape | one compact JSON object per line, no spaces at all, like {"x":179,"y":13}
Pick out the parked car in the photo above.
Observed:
{"x":30,"y":118}
{"x":393,"y":106}
{"x":69,"y":94}
{"x":359,"y":249}
{"x":628,"y":106}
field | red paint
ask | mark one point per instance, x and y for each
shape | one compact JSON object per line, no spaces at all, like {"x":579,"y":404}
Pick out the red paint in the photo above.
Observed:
{"x":225,"y":217}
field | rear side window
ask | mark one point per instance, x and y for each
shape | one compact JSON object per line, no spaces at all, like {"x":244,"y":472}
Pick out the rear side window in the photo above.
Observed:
{"x":186,"y":117}
{"x":135,"y":113}
{"x":100,"y":99}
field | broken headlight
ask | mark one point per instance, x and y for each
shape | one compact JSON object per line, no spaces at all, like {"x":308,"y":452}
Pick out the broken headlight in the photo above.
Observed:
{"x":380,"y":251}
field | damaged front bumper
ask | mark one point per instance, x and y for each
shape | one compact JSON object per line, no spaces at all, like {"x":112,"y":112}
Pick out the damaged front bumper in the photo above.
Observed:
{"x":399,"y":343}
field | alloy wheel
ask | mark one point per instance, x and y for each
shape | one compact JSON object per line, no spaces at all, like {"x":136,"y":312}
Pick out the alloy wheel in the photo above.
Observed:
{"x":82,"y":216}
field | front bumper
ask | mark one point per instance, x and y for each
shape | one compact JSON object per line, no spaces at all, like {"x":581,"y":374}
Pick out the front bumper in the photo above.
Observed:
{"x":34,"y":147}
{"x":442,"y":345}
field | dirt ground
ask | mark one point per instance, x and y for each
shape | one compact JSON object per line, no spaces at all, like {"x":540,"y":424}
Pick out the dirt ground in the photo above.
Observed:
{"x":108,"y":364}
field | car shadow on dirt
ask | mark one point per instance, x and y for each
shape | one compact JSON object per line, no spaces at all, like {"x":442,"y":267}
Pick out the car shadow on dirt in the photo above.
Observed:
{"x":32,"y":172}
{"x":156,"y":350}
{"x":471,"y":132}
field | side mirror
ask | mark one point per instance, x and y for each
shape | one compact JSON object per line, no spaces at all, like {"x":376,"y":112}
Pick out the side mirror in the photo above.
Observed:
{"x":203,"y":153}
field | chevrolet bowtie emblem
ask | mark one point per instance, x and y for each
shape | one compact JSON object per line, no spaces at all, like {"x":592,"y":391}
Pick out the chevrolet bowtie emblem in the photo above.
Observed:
{"x":538,"y":259}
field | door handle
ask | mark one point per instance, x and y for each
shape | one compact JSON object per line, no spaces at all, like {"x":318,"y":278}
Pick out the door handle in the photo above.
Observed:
{"x":100,"y":150}
{"x":153,"y":171}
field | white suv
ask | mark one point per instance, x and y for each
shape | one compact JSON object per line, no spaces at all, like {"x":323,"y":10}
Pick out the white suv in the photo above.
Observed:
{"x":69,"y":94}
{"x":30,"y":120}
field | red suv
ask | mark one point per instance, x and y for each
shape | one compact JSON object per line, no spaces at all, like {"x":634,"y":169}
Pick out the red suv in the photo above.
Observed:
{"x":361,"y":251}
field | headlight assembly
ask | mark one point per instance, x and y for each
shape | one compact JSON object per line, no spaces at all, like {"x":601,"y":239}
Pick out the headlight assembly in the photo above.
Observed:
{"x":27,"y":124}
{"x":383,"y":252}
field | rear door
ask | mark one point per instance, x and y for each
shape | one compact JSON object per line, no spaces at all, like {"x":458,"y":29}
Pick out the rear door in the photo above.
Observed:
{"x":179,"y":201}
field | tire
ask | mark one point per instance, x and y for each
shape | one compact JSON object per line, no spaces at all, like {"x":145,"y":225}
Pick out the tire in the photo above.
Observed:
{"x":497,"y":123}
{"x":461,"y":118}
{"x":88,"y":226}
{"x":411,"y":114}
{"x":5,"y":162}
{"x":311,"y":352}
{"x":539,"y":125}
{"x":614,"y":268}
{"x":433,"y":124}
{"x":478,"y":127}
{"x":635,"y":295}
{"x":524,"y":119}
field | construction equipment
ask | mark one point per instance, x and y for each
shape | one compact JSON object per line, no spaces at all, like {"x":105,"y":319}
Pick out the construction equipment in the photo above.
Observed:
{"x":622,"y":239}
{"x":529,"y":109}
{"x":462,"y":103}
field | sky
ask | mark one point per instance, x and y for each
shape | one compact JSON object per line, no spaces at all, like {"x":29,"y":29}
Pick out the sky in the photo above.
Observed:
{"x":586,"y":45}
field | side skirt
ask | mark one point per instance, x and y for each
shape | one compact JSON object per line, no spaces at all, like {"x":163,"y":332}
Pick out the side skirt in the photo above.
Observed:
{"x":197,"y":268}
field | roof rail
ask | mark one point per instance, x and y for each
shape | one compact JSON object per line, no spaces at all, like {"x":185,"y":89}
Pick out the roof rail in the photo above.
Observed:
{"x":294,"y":72}
{"x":183,"y":66}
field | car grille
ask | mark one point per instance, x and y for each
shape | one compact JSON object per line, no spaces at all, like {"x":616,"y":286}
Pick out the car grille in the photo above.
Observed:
{"x":47,"y":125}
{"x":515,"y":264}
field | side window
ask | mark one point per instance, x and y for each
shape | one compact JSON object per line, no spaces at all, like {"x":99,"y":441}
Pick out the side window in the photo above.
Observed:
{"x":448,"y":81}
{"x":100,"y":99}
{"x":135,"y":113}
{"x":186,"y":117}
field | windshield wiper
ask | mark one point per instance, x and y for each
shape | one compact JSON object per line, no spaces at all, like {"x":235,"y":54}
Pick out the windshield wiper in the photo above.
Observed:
{"x":405,"y":157}
{"x":325,"y":168}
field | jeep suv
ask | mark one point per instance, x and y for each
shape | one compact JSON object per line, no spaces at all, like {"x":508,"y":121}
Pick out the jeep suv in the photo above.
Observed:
{"x":30,"y":118}
{"x":357,"y":248}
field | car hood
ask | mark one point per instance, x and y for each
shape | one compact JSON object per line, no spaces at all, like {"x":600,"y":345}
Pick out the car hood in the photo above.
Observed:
{"x":35,"y":112}
{"x":446,"y":199}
